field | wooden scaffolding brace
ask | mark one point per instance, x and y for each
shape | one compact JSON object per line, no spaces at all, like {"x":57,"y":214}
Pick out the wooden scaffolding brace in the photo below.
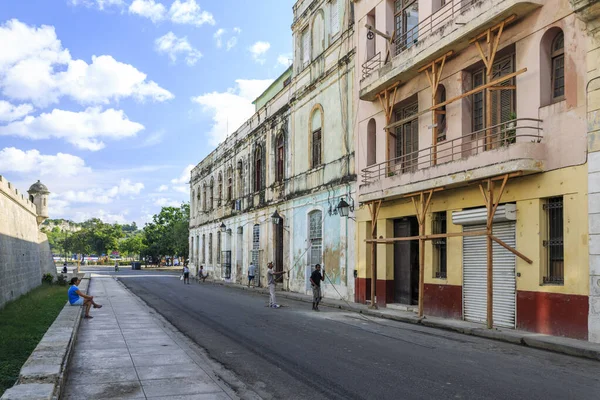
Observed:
{"x":387,"y":99}
{"x":492,"y":201}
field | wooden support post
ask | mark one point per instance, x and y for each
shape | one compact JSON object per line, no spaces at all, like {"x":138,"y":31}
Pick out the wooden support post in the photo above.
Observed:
{"x":374,"y":210}
{"x":490,"y":255}
{"x":421,"y":210}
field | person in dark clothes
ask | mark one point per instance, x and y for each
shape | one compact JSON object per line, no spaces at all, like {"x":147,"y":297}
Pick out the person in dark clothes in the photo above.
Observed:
{"x":315,"y":281}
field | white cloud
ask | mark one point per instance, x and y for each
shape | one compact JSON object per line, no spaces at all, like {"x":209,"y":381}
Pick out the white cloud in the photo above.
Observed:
{"x":100,"y":195}
{"x":35,"y":67}
{"x":182,"y":189}
{"x":148,"y":8}
{"x":100,"y":4}
{"x":163,"y":188}
{"x":232,"y":108}
{"x":189,"y":12}
{"x":82,"y":129}
{"x":185,"y":176}
{"x":164,"y":202}
{"x":32,"y":162}
{"x":218,"y":37}
{"x":105,"y":216}
{"x":284,"y":59}
{"x":231,"y":43}
{"x":172,"y":46}
{"x":9,"y":112}
{"x":258,"y":50}
{"x":237,"y":30}
{"x":153,"y":139}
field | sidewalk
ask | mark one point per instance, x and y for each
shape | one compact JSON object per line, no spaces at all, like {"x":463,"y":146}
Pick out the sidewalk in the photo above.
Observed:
{"x":128,"y":352}
{"x":573,"y":347}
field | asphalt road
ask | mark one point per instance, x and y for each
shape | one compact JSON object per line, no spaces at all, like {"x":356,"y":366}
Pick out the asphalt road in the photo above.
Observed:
{"x":295,"y":353}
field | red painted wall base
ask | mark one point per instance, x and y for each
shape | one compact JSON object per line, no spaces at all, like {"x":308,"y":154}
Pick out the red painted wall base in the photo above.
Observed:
{"x":553,"y":314}
{"x":443,"y":301}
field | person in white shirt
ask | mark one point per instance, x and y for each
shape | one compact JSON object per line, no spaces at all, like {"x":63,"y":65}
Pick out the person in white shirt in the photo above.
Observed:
{"x":186,"y":274}
{"x":251,"y":274}
{"x":271,"y":281}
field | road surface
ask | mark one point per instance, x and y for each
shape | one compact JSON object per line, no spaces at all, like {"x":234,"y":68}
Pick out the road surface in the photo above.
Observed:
{"x":296,"y":353}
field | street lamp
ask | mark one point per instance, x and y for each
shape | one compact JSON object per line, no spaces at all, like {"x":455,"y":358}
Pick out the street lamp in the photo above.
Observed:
{"x":343,"y":208}
{"x":276,"y":218}
{"x":223,"y":227}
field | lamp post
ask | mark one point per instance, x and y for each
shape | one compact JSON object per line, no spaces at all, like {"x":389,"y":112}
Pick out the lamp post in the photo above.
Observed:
{"x":276,"y":218}
{"x":223,"y":227}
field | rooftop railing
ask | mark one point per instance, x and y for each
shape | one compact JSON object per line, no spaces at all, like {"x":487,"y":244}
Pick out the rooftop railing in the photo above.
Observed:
{"x":495,"y":137}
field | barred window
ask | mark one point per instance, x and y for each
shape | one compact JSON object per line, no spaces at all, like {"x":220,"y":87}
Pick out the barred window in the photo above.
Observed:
{"x":315,"y":235}
{"x":439,"y":245}
{"x":554,"y":243}
{"x":255,"y":245}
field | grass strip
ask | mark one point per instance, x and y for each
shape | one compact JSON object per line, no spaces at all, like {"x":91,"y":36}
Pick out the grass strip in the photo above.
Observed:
{"x":23,"y":323}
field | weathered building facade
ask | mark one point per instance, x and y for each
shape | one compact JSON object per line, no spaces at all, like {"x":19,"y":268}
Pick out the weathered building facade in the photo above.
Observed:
{"x":471,"y":143}
{"x":271,"y":190}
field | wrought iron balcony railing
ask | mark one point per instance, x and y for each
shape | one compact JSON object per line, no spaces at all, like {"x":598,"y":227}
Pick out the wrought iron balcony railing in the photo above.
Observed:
{"x":495,"y":137}
{"x":371,"y":65}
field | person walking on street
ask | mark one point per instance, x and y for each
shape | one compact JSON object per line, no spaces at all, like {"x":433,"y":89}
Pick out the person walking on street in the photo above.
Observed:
{"x":315,"y":281}
{"x":186,"y":274}
{"x":271,"y":281}
{"x":251,"y":274}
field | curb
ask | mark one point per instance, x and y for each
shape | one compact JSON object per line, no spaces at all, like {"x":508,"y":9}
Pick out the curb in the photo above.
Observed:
{"x":555,"y":344}
{"x":44,"y":373}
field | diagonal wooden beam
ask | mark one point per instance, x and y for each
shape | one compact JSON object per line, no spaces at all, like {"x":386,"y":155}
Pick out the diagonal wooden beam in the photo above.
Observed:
{"x":483,"y":194}
{"x":497,"y":202}
{"x":514,"y":251}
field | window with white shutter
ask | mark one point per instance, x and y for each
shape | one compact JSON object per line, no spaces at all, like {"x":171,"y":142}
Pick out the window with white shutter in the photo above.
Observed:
{"x":305,"y":48}
{"x":334,"y":17}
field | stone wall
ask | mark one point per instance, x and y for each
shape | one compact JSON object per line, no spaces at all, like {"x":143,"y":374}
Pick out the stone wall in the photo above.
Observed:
{"x":24,"y":251}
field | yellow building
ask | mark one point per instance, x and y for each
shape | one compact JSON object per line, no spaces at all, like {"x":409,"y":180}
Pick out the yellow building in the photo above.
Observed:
{"x":469,"y":109}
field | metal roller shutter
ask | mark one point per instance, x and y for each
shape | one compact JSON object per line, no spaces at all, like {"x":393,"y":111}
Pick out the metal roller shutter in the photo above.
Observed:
{"x":475,"y":276}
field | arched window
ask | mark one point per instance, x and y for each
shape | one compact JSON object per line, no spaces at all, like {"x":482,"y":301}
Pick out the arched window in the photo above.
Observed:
{"x":210,"y":248}
{"x":552,"y":66}
{"x":316,"y":136}
{"x":558,"y":67}
{"x":198,"y":208}
{"x":229,"y":184}
{"x":44,"y":201}
{"x":279,"y":159}
{"x":318,"y":34}
{"x":440,"y":97}
{"x":258,"y":166}
{"x":204,"y":199}
{"x":193,"y":202}
{"x":371,"y":142}
{"x":211,"y":200}
{"x":240,"y":179}
{"x":220,"y":191}
{"x":315,"y":237}
{"x":218,"y":247}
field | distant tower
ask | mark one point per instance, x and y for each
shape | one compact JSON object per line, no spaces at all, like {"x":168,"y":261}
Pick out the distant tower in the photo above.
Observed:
{"x":38,"y":194}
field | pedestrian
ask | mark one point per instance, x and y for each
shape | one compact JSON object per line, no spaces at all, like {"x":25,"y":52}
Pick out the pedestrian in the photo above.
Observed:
{"x":271,"y":281}
{"x":201,"y":275}
{"x":64,"y":270}
{"x":186,"y":274}
{"x":315,"y":281}
{"x":78,"y":298}
{"x":251,"y":274}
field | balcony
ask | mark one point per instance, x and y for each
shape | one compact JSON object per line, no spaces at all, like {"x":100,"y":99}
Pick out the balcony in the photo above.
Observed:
{"x":448,"y":29}
{"x":512,"y":146}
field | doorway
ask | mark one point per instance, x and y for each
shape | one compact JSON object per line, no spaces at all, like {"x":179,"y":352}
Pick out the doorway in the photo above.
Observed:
{"x":406,"y":262}
{"x":278,"y":246}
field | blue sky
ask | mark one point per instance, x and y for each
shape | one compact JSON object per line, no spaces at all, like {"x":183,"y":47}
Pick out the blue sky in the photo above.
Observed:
{"x":109,"y":102}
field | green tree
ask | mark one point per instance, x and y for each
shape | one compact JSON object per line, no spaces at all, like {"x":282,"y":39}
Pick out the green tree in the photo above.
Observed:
{"x":167,"y":234}
{"x":133,"y":245}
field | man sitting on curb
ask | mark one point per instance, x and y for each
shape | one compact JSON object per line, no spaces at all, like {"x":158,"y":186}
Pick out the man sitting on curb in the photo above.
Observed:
{"x":78,"y":298}
{"x":201,"y":275}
